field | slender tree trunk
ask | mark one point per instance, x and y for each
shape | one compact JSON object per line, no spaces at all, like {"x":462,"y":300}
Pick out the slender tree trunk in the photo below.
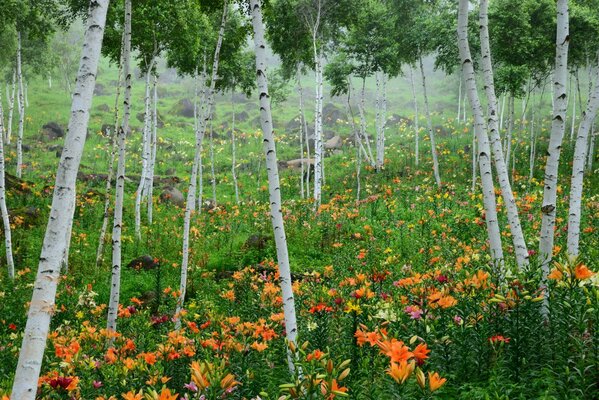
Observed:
{"x":26,"y":95}
{"x":484,"y":150}
{"x":301,"y":131}
{"x":318,"y":145}
{"x":145,"y":153}
{"x":363,"y":126}
{"x":520,"y":248}
{"x":5,"y":220}
{"x":154,"y":150}
{"x":429,"y":122}
{"x":573,"y":123}
{"x":212,"y":171}
{"x":21,"y":104}
{"x":273,"y":179}
{"x":117,"y":226}
{"x":112,"y":134}
{"x":502,"y":112}
{"x":416,"y":117}
{"x":234,"y":152}
{"x":381,"y":120}
{"x":533,"y":147}
{"x":44,"y":294}
{"x":560,"y":102}
{"x":11,"y":106}
{"x":580,"y":156}
{"x":591,"y":153}
{"x":304,"y":124}
{"x":206,"y":116}
{"x":510,"y":127}
{"x":357,"y":140}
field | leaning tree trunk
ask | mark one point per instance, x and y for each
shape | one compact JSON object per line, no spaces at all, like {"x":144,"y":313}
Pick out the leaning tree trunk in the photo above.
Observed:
{"x":381,"y":119}
{"x":117,"y":226}
{"x":591,"y":152}
{"x":510,"y":127}
{"x":42,"y":303}
{"x":416,"y":128}
{"x":580,"y":155}
{"x":5,"y":220}
{"x":363,"y":127}
{"x":429,"y":122}
{"x":558,"y":125}
{"x":520,"y":249}
{"x":484,"y":150}
{"x":276,"y":213}
{"x":21,"y":104}
{"x":112,"y":134}
{"x":206,"y":115}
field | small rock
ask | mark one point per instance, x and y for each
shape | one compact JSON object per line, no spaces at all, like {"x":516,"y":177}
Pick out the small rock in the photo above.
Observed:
{"x":144,"y":262}
{"x":172,"y":195}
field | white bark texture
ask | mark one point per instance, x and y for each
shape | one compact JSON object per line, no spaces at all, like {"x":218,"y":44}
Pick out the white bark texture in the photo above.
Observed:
{"x":205,"y":116}
{"x":4,"y":210}
{"x":484,"y":150}
{"x":558,"y":125}
{"x":44,"y":293}
{"x":145,"y":152}
{"x":276,"y":212}
{"x":117,"y":226}
{"x":21,"y":104}
{"x":304,"y":129}
{"x":318,"y":145}
{"x":578,"y":165}
{"x":11,"y":106}
{"x":112,"y":134}
{"x":520,"y":249}
{"x":234,"y":152}
{"x":429,"y":123}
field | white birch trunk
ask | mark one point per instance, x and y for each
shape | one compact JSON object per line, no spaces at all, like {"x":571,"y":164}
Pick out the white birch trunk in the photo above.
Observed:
{"x":112,"y":134}
{"x":363,"y":127}
{"x":206,"y":115}
{"x":212,"y":171}
{"x":520,"y":248}
{"x":304,"y":124}
{"x":510,"y":127}
{"x":44,"y":293}
{"x":11,"y":106}
{"x":484,"y":150}
{"x":555,"y":143}
{"x":459,"y":96}
{"x":145,"y":153}
{"x":429,"y":122}
{"x":21,"y":104}
{"x":26,"y":95}
{"x":591,"y":153}
{"x":416,"y":117}
{"x":502,"y":113}
{"x":3,"y":209}
{"x":117,"y":227}
{"x":273,"y":178}
{"x":381,"y":120}
{"x":154,"y":150}
{"x":573,"y":123}
{"x":533,"y":149}
{"x":318,"y":145}
{"x":301,"y":131}
{"x":580,"y":156}
{"x":474,"y":160}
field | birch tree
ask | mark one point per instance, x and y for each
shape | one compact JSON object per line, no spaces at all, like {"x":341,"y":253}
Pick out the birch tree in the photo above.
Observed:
{"x":117,"y":226}
{"x":276,"y":212}
{"x":578,"y":166}
{"x":484,"y":150}
{"x":558,"y":125}
{"x":520,"y":248}
{"x":44,"y":293}
{"x":5,"y":220}
{"x":21,"y":107}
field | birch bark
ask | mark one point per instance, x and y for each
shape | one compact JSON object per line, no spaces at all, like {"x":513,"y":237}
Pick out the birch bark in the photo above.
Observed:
{"x":117,"y":227}
{"x":429,"y":122}
{"x":578,"y":165}
{"x":3,"y":209}
{"x":273,"y":178}
{"x":44,"y":293}
{"x":416,"y":117}
{"x":21,"y":104}
{"x":520,"y":248}
{"x":484,"y":150}
{"x":560,"y":102}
